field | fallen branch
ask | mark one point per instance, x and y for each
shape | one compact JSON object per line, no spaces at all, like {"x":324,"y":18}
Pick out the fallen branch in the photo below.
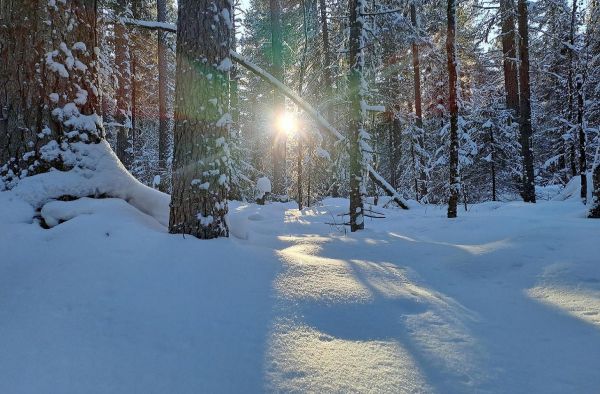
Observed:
{"x":374,"y":175}
{"x":306,"y":107}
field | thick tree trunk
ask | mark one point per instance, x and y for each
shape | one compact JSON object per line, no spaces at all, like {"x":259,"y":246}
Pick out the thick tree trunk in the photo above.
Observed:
{"x":528,"y":181}
{"x":163,"y":125}
{"x":356,"y":131}
{"x":422,"y":181}
{"x":49,"y":94}
{"x":201,"y":164}
{"x":123,"y":64}
{"x":453,"y":107}
{"x":279,"y":139}
{"x":509,"y":62}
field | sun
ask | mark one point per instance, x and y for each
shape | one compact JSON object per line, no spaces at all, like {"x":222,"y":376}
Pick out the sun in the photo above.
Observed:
{"x":287,"y":123}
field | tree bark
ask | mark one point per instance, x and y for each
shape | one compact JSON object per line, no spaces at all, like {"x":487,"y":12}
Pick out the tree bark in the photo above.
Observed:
{"x":327,"y":78}
{"x":509,"y":61}
{"x":571,"y":92}
{"x":123,"y":65}
{"x":49,"y":95}
{"x":528,"y":181}
{"x":493,"y":153}
{"x":396,"y":149}
{"x":595,"y":210}
{"x":422,"y":180}
{"x":582,"y":140}
{"x":356,"y":131}
{"x":453,"y":107}
{"x":201,"y":156}
{"x":163,"y":125}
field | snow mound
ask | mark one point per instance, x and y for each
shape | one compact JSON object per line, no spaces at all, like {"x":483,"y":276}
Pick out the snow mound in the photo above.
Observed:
{"x":13,"y":210}
{"x":110,"y":209}
{"x":96,"y":172}
{"x":572,"y":189}
{"x":263,"y":185}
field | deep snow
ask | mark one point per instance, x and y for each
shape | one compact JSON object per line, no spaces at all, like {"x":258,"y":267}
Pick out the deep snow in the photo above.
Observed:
{"x":506,"y":298}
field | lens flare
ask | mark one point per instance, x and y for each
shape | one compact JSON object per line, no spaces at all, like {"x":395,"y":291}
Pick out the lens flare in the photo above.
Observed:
{"x":287,"y":123}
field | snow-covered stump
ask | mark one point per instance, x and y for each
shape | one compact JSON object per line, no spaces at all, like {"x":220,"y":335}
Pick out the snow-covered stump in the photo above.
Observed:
{"x":201,"y":164}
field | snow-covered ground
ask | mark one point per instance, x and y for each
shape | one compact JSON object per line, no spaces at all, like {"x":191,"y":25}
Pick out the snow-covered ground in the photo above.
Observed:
{"x":504,"y":299}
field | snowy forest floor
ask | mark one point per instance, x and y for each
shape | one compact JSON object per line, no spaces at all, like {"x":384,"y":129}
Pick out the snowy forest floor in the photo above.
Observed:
{"x":506,"y":298}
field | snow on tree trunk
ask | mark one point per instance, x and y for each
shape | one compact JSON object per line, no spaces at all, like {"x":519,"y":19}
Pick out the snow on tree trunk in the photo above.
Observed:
{"x":453,"y":106}
{"x":358,"y":136}
{"x":527,"y":177}
{"x":123,"y":63}
{"x":201,"y":165}
{"x":48,"y":85}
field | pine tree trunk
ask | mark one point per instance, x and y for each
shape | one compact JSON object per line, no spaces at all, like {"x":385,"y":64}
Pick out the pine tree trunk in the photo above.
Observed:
{"x":582,"y":141}
{"x":201,"y":164}
{"x":528,"y":181}
{"x":396,"y":148}
{"x":493,"y":153}
{"x":357,"y":160}
{"x":422,"y":181}
{"x":327,"y":78}
{"x":328,"y":94}
{"x":123,"y":65}
{"x":595,"y":210}
{"x":49,"y":95}
{"x":300,"y":152}
{"x":163,"y":125}
{"x":571,"y":93}
{"x":279,"y":138}
{"x":453,"y":107}
{"x":509,"y":62}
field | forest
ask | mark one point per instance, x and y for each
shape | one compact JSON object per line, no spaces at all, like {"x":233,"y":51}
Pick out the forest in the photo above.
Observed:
{"x":401,"y":196}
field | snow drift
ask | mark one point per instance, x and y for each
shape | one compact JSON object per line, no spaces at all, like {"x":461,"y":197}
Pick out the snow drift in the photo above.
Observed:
{"x":96,"y":172}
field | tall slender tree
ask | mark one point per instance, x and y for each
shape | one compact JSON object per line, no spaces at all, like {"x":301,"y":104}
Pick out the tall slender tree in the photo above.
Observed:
{"x":123,"y":95}
{"x":528,"y":181}
{"x":453,"y":107}
{"x":279,"y":138}
{"x":509,"y":58}
{"x":357,"y":133}
{"x":422,"y":177}
{"x":201,"y":164}
{"x":163,"y":125}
